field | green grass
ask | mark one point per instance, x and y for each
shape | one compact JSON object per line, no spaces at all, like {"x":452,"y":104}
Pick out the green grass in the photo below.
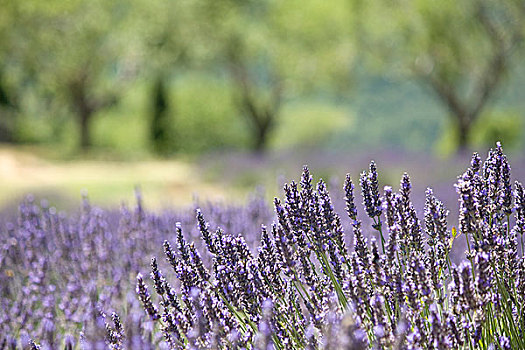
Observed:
{"x":163,"y":183}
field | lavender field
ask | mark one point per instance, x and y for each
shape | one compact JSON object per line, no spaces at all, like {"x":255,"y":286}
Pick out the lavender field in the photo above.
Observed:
{"x":360,"y":267}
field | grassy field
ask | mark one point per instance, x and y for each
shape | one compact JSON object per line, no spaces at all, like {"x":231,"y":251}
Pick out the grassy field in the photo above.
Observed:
{"x":227,"y":177}
{"x":107,"y":183}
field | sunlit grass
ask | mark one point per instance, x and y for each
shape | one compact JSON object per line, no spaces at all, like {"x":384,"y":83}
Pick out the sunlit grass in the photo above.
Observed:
{"x":163,"y":182}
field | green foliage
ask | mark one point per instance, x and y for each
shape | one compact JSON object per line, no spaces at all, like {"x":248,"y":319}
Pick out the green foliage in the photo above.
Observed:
{"x":123,"y":128}
{"x":309,"y":124}
{"x":503,"y":126}
{"x":200,"y":116}
{"x":447,"y":143}
{"x":495,"y":125}
{"x":206,"y":118}
{"x":462,"y":51}
{"x":263,"y":68}
{"x":274,"y":51}
{"x":33,"y":130}
{"x":316,"y":45}
{"x":70,"y":56}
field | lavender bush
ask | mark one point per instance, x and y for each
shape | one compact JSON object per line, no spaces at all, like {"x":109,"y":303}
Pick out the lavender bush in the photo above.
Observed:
{"x":311,"y":279}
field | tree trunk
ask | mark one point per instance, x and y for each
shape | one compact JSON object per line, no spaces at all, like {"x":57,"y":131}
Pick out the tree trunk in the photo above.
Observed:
{"x":260,"y":114}
{"x":85,"y":115}
{"x":7,"y":106}
{"x":261,"y":133}
{"x":6,"y":132}
{"x":260,"y":142}
{"x":159,"y":127}
{"x":463,"y":131}
{"x":84,"y":107}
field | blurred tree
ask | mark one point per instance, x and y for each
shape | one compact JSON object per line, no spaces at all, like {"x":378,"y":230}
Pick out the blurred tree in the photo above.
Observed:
{"x":7,"y":115}
{"x":260,"y":108}
{"x":235,"y":33}
{"x":76,"y":51}
{"x":272,"y":50}
{"x":159,"y":127}
{"x":77,"y":56}
{"x":461,"y":50}
{"x":168,"y":40}
{"x":8,"y":59}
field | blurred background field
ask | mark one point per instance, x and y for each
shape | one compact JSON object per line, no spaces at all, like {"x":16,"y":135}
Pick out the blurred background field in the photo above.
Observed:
{"x":227,"y":178}
{"x":211,"y":99}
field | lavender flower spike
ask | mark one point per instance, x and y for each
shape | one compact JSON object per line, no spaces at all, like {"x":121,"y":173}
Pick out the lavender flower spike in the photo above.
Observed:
{"x":142,"y":292}
{"x":370,"y":191}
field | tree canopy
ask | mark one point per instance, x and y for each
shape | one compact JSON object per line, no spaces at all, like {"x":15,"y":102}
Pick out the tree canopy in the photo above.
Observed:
{"x":460,"y":50}
{"x":67,"y":62}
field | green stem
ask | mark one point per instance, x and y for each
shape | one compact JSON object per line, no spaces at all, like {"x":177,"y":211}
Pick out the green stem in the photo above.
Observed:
{"x":378,"y":225}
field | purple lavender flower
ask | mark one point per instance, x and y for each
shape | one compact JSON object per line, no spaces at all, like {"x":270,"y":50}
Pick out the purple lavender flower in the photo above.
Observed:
{"x":269,"y":264}
{"x":284,"y":248}
{"x":196,"y":260}
{"x":370,"y":191}
{"x":467,"y":295}
{"x":504,"y":343}
{"x":181,"y":243}
{"x":205,"y":232}
{"x":156,"y":276}
{"x":493,"y":170}
{"x":388,"y":206}
{"x":475,"y":163}
{"x":519,"y":207}
{"x":484,"y":277}
{"x":436,"y":219}
{"x":506,"y":190}
{"x":520,"y":280}
{"x":142,"y":292}
{"x":382,"y":328}
{"x":469,"y":215}
{"x":360,"y":246}
{"x":301,"y":288}
{"x":34,"y":346}
{"x":405,"y":189}
{"x":349,"y":198}
{"x":293,"y":207}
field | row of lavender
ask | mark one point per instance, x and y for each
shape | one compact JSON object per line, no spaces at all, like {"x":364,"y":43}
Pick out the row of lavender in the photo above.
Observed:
{"x":301,"y":287}
{"x":60,"y":273}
